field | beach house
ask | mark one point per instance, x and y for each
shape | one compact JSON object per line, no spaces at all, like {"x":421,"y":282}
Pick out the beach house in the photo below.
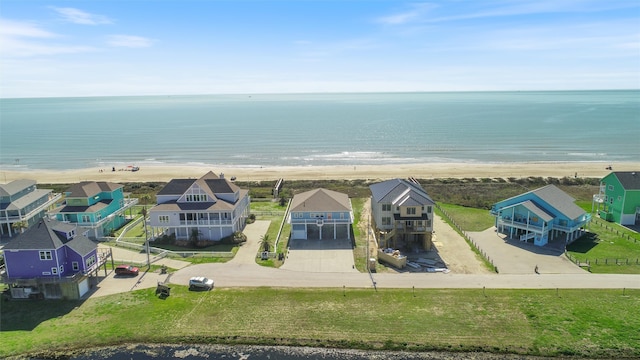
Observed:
{"x":98,"y":206}
{"x":320,"y":214}
{"x":618,"y":199}
{"x":50,"y":260}
{"x":541,"y":216}
{"x":208,"y":208}
{"x":22,"y":204}
{"x":402,"y":214}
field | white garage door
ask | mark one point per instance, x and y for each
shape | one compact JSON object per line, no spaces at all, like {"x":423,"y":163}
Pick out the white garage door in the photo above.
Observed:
{"x":83,"y":286}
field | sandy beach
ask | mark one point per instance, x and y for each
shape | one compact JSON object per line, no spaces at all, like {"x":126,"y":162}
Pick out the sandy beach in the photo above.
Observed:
{"x":163,"y":173}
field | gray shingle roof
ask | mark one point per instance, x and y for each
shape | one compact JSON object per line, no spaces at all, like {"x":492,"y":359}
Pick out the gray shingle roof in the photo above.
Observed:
{"x":560,"y":200}
{"x":25,"y":200}
{"x":320,"y":200}
{"x":43,"y":236}
{"x":400,"y":192}
{"x":630,"y":180}
{"x":87,"y":189}
{"x":15,"y":187}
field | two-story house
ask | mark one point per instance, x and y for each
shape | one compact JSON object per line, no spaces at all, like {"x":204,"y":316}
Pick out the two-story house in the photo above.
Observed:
{"x":50,"y":260}
{"x":320,"y":214}
{"x":212,"y":207}
{"x":619,"y":198}
{"x":98,"y":206}
{"x":402,"y":214}
{"x":22,"y":204}
{"x":541,"y":216}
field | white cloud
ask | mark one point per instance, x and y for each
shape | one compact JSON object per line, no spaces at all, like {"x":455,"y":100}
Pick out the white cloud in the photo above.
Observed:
{"x":416,"y":12}
{"x":23,"y":39}
{"x":13,"y":28}
{"x":129,"y":41}
{"x":77,"y":16}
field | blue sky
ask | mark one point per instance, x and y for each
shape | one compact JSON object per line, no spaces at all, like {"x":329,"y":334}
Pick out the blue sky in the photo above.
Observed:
{"x":96,"y":48}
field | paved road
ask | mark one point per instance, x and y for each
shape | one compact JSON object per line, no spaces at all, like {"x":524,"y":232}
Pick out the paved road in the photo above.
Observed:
{"x":243,"y":271}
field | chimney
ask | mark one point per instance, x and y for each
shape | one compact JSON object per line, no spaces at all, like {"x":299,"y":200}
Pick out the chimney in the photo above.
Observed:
{"x":221,"y":176}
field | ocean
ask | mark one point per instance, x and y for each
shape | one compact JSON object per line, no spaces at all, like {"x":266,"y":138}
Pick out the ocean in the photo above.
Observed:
{"x":320,"y":129}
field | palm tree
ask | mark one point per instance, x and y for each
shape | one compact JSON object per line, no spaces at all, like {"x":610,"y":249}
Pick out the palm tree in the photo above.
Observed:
{"x":19,"y":226}
{"x":265,"y":242}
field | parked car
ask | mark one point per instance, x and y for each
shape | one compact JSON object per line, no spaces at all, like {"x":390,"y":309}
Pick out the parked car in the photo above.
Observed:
{"x":127,"y":270}
{"x":200,"y":283}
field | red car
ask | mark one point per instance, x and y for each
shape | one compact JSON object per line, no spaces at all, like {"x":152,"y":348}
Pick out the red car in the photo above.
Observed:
{"x":127,"y":270}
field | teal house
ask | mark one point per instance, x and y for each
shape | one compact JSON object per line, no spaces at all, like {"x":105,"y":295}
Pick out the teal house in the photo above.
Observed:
{"x":541,"y":216}
{"x":619,"y":198}
{"x":98,"y":206}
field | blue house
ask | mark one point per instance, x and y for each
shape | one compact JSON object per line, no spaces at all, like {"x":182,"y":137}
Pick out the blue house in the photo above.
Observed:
{"x":50,"y":260}
{"x":320,"y":214}
{"x":98,"y":206}
{"x":541,"y":216}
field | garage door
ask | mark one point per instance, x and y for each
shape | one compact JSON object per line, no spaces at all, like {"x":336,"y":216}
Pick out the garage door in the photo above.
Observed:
{"x":83,"y":286}
{"x":298,"y":232}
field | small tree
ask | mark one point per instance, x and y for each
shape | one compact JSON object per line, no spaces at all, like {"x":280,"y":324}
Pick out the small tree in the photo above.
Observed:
{"x":19,"y":226}
{"x":194,"y":237}
{"x":265,"y":242}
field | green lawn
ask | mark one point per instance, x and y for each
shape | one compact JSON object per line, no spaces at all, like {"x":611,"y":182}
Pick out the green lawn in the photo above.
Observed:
{"x":469,"y":219}
{"x":588,"y":323}
{"x":607,"y":245}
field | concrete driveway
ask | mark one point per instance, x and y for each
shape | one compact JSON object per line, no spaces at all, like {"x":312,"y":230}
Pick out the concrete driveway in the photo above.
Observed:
{"x":332,"y":256}
{"x":515,"y":257}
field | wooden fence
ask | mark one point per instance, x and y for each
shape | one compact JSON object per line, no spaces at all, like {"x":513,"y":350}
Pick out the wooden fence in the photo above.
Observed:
{"x":468,"y":238}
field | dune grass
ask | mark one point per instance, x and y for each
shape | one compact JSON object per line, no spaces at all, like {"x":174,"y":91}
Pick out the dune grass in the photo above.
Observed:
{"x":592,"y":323}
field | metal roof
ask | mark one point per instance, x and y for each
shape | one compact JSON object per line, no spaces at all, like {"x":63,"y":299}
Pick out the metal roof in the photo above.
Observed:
{"x":400,"y":192}
{"x":15,"y":187}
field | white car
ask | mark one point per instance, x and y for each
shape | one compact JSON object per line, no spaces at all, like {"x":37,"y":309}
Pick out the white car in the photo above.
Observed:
{"x":200,"y":283}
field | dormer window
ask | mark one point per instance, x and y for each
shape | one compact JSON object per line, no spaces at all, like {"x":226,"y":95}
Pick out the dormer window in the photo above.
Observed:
{"x":196,"y":197}
{"x":411,"y":211}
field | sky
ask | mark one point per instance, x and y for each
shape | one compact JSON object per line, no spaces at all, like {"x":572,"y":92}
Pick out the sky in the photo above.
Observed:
{"x":59,"y":48}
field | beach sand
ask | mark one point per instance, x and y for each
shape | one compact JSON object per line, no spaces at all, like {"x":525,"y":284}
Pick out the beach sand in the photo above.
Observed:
{"x":164,"y":173}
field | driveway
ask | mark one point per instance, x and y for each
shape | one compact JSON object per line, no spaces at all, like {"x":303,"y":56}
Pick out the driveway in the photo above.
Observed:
{"x":514,"y":257}
{"x":332,"y":256}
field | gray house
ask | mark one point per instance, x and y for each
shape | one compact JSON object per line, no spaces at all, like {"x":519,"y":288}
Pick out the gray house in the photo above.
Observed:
{"x":211,"y":207}
{"x":402,"y":214}
{"x":22,"y":202}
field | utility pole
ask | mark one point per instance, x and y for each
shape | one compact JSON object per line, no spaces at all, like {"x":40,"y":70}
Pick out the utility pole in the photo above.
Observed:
{"x":146,"y":238}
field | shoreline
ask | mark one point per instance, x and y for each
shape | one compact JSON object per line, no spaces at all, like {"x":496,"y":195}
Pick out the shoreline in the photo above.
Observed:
{"x":164,"y":173}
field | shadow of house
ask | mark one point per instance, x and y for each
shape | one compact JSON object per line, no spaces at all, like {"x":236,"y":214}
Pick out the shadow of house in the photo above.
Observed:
{"x":21,"y":315}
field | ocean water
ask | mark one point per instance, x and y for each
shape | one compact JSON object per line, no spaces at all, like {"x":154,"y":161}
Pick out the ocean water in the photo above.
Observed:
{"x":320,"y":129}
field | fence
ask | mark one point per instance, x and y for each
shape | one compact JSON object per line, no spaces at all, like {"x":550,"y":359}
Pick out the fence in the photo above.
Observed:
{"x":622,"y":234}
{"x":469,"y":240}
{"x":604,"y":261}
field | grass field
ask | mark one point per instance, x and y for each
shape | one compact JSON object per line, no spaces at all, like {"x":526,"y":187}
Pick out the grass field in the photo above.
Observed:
{"x":593,"y":323}
{"x":608,"y":248}
{"x":468,"y":218}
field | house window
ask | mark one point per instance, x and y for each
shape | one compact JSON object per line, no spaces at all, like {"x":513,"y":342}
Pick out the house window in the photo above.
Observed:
{"x":611,"y":200}
{"x":86,"y":218}
{"x":428,"y":223}
{"x":61,"y":269}
{"x":429,"y":209}
{"x":45,"y":255}
{"x":54,"y":271}
{"x":386,"y":221}
{"x":163,"y":218}
{"x":91,"y":261}
{"x":619,"y":198}
{"x":411,"y":211}
{"x":75,"y":266}
{"x":386,"y":207}
{"x":610,"y":187}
